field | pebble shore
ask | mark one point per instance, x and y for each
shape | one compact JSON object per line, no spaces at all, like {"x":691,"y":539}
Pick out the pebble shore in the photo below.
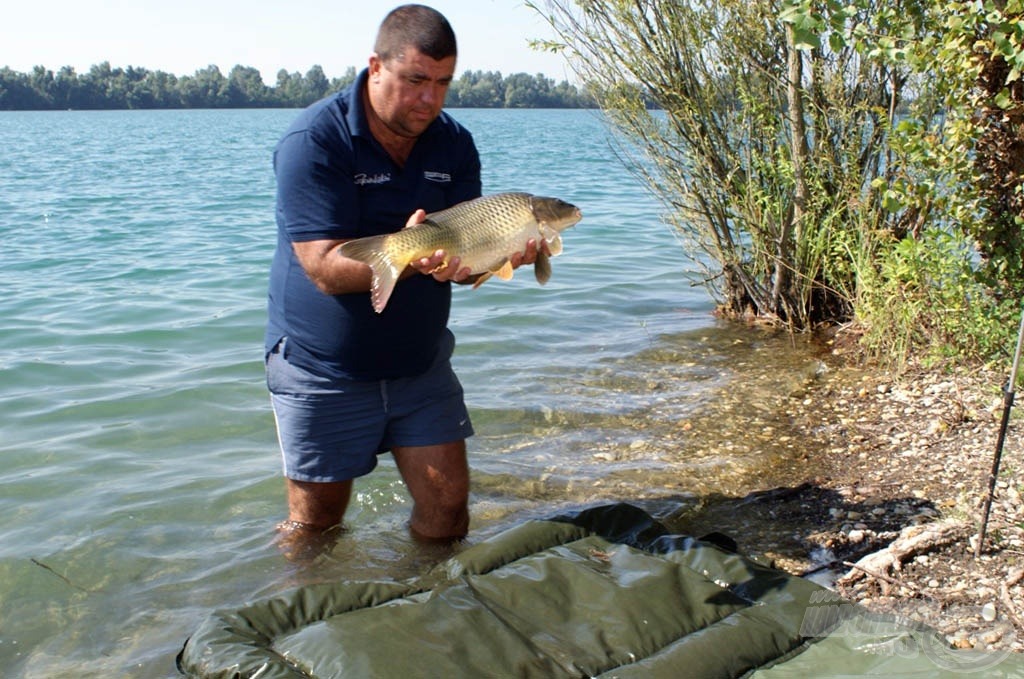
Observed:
{"x":875,"y":460}
{"x":916,"y":450}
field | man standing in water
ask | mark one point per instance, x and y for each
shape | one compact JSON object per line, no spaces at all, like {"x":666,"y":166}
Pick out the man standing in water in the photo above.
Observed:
{"x":347,"y":383}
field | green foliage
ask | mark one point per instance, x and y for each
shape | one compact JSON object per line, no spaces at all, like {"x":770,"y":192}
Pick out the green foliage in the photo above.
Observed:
{"x":953,"y":169}
{"x":104,"y":87}
{"x":480,"y":89}
{"x":921,"y":298}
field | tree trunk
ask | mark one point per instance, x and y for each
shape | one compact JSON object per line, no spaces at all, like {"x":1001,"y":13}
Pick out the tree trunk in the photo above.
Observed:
{"x":791,"y":229}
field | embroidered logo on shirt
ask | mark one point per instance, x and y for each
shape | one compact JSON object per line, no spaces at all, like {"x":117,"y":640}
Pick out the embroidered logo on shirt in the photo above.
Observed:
{"x":442,"y":177}
{"x":363,"y":179}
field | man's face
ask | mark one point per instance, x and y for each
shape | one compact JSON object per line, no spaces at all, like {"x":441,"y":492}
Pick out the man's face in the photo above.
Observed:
{"x":407,"y":92}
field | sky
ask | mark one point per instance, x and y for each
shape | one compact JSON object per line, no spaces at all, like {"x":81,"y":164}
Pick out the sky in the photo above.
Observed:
{"x":182,"y":36}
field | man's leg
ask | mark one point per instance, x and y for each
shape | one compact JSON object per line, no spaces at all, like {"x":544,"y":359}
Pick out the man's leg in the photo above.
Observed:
{"x":327,"y":429}
{"x":315,"y":511}
{"x":438,"y":479}
{"x":318,"y":505}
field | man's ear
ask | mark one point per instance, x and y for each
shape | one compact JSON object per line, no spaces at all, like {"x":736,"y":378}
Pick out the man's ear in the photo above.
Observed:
{"x":375,"y":65}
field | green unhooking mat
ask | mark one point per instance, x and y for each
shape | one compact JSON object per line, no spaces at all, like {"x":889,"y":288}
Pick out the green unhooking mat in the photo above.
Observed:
{"x":606,"y":592}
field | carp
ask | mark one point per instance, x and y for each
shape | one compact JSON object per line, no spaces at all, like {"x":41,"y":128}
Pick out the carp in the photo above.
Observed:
{"x":483,"y":233}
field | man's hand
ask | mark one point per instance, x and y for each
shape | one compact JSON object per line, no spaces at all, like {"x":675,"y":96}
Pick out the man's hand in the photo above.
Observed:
{"x":442,"y":269}
{"x":437,"y":265}
{"x":529,"y":256}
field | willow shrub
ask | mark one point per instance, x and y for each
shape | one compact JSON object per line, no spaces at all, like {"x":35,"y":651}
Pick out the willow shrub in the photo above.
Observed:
{"x":763,"y":152}
{"x":949,"y":282}
{"x":828,"y":159}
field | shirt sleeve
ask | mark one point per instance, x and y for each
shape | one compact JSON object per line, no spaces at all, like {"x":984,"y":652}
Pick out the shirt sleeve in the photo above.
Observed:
{"x":313,"y":200}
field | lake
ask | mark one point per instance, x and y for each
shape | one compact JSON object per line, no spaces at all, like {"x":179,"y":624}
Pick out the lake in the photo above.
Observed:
{"x":141,"y":478}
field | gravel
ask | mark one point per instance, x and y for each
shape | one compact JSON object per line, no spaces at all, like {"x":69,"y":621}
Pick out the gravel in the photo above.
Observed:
{"x":880,"y":454}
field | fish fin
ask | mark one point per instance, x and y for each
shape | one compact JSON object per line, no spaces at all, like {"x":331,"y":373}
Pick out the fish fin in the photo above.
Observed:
{"x":370,"y":251}
{"x":483,"y":277}
{"x":504,"y":272}
{"x":553,"y":238}
{"x":542,"y":268}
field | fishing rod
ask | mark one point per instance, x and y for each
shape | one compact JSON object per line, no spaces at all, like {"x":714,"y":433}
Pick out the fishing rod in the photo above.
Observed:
{"x":1008,"y":396}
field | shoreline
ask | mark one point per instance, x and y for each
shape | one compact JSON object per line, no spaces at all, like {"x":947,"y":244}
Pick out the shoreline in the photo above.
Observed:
{"x":882,"y":459}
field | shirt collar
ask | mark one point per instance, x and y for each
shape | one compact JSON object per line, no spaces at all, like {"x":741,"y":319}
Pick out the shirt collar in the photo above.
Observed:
{"x":356,"y":116}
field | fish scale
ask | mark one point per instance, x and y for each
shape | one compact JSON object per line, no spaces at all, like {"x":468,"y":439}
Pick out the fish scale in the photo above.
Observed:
{"x":483,"y":233}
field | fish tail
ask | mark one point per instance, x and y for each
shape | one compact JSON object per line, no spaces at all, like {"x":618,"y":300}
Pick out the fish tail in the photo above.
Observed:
{"x":372,"y":251}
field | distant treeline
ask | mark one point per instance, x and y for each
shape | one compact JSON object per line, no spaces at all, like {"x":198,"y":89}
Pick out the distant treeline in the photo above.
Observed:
{"x":104,"y":87}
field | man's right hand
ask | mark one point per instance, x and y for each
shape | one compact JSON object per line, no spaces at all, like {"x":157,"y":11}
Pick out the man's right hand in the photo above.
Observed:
{"x":437,"y":265}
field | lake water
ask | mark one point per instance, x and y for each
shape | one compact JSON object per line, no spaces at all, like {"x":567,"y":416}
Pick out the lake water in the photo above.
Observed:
{"x":141,"y":480}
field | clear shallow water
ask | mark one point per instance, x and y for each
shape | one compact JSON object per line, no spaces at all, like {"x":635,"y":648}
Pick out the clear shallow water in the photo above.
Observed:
{"x":140,"y":480}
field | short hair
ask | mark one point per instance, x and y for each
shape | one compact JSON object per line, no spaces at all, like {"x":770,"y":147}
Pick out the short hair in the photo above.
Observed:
{"x":418,"y":26}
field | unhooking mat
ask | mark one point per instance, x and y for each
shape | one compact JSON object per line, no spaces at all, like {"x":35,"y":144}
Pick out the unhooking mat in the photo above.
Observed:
{"x":606,"y":592}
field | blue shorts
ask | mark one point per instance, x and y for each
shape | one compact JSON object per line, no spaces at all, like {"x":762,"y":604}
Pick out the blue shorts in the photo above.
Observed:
{"x":332,"y":429}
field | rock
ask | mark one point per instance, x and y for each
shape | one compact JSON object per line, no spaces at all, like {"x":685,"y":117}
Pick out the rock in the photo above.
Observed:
{"x":961,"y":643}
{"x":992,"y":637}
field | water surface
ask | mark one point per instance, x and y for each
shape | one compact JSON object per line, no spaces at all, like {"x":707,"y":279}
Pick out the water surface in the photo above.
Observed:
{"x":141,"y":478}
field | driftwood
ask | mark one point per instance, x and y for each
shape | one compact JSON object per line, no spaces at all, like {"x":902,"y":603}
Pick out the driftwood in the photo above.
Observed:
{"x":1015,"y":577}
{"x":912,"y":540}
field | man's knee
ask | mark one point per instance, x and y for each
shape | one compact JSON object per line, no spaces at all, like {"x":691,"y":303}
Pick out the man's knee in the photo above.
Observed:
{"x":444,"y":519}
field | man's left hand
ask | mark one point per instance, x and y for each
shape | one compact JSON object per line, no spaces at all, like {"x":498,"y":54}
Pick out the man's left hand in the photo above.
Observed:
{"x":529,"y":256}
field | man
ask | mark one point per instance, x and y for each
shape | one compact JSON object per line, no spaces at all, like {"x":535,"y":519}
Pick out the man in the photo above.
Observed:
{"x":347,"y":383}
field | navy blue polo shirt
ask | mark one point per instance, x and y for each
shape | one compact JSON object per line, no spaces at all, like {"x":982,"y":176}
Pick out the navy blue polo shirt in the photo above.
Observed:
{"x":335,"y":181}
